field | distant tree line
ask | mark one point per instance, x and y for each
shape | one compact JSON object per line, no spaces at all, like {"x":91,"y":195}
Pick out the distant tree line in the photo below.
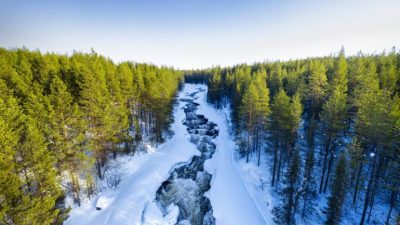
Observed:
{"x":63,"y":116}
{"x":349,"y":111}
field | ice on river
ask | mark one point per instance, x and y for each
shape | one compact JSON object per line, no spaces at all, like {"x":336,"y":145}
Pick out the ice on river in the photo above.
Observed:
{"x":133,"y":201}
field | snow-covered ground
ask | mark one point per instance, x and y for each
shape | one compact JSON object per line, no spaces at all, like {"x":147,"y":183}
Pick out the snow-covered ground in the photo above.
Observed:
{"x":133,"y":201}
{"x":233,"y":200}
{"x":124,"y":205}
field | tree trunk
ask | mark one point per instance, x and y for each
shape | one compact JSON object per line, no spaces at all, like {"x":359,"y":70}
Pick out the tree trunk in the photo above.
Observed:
{"x":329,"y":170}
{"x":98,"y":167}
{"x":279,"y":165}
{"x":275,"y":162}
{"x":367,"y":195}
{"x":75,"y":188}
{"x":357,"y":183}
{"x":114,"y":150}
{"x":248,"y":147}
{"x":258,"y":148}
{"x":371,"y":203}
{"x":327,"y":143}
{"x":393,"y":197}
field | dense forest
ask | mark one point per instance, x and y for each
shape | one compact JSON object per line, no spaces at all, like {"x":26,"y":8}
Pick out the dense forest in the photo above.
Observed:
{"x":347,"y":111}
{"x":62,"y":117}
{"x":330,"y":127}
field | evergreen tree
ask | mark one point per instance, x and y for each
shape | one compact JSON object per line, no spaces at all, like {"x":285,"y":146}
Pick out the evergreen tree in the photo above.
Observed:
{"x":317,"y":85}
{"x":393,"y":185}
{"x":356,"y":165}
{"x":308,"y":183}
{"x":248,"y":113}
{"x":275,"y":79}
{"x":387,"y":71}
{"x":95,"y":101}
{"x":67,"y":139}
{"x":284,"y":214}
{"x":338,"y":191}
{"x":214,"y":89}
{"x":333,"y":119}
{"x":295,"y":117}
{"x":10,"y":194}
{"x":280,"y":109}
{"x":263,"y":110}
{"x":36,"y":166}
{"x":59,"y":114}
{"x":339,"y":80}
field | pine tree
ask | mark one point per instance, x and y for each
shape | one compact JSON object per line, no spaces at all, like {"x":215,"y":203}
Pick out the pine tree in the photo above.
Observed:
{"x":317,"y":85}
{"x":95,"y":101}
{"x":393,"y":185}
{"x":339,"y":80}
{"x":308,"y":182}
{"x":214,"y":90}
{"x":338,"y":191}
{"x":67,"y":139}
{"x":275,"y":80}
{"x":356,"y":165}
{"x":388,"y":70}
{"x":284,"y":214}
{"x":10,"y":194}
{"x":280,"y":111}
{"x":36,"y":166}
{"x":333,"y":120}
{"x":263,"y":110}
{"x":296,"y":109}
{"x":248,"y":111}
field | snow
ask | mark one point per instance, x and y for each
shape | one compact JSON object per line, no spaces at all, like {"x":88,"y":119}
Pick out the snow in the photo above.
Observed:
{"x":153,"y":216}
{"x":237,"y":192}
{"x":125,"y":204}
{"x":103,"y":201}
{"x":231,"y":201}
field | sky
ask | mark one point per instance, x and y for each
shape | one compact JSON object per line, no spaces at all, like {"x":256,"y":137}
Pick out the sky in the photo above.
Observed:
{"x":190,"y":34}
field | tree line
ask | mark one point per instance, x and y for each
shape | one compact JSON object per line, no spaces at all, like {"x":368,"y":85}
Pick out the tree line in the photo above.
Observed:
{"x":63,"y":116}
{"x":330,"y":125}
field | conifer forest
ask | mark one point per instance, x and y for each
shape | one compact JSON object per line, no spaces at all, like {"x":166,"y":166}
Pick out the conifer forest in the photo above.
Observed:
{"x":224,"y":112}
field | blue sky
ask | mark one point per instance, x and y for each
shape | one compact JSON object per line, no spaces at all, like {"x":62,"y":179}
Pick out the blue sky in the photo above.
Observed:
{"x":201,"y":33}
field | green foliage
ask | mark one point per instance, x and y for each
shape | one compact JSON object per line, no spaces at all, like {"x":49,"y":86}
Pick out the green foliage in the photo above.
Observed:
{"x":343,"y":97}
{"x":317,"y":85}
{"x":60,"y":114}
